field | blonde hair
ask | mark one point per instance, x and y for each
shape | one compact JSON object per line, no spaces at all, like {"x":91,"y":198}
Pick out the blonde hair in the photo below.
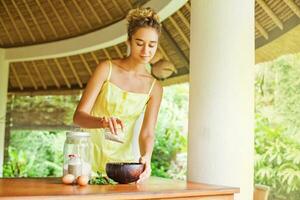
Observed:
{"x":140,"y":18}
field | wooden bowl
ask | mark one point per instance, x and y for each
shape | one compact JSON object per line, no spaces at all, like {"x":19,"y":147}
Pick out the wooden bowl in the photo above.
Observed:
{"x":124,"y":172}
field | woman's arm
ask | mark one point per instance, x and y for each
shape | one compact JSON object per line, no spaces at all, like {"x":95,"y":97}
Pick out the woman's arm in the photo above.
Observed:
{"x":146,"y":139}
{"x":82,"y":115}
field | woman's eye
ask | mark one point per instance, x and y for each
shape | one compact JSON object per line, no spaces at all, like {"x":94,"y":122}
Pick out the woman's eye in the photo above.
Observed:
{"x":141,"y":44}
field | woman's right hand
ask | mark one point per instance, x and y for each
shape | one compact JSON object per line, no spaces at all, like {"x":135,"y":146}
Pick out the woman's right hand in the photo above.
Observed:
{"x":112,"y":123}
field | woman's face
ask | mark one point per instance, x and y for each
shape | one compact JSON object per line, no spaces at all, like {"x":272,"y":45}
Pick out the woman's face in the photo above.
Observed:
{"x":143,"y":44}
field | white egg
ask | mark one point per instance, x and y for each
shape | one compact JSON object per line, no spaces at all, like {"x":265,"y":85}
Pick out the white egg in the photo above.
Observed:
{"x":68,"y":179}
{"x":83,"y":180}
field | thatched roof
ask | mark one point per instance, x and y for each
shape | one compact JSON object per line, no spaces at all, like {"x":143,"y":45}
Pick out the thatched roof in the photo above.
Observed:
{"x":31,"y":22}
{"x":288,"y":43}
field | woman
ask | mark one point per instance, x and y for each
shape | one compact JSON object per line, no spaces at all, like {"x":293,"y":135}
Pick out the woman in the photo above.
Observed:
{"x":119,"y":91}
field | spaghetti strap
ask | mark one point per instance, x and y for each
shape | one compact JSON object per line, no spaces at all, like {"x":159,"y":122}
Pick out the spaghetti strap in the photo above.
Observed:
{"x":151,"y":87}
{"x":110,"y":69}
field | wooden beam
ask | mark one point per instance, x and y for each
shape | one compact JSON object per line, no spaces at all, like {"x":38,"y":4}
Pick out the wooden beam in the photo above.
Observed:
{"x":82,"y":14}
{"x":51,"y":74}
{"x":94,"y":12}
{"x":57,"y":16}
{"x":128,"y":3}
{"x":70,"y":15}
{"x":74,"y":72}
{"x":62,"y":72}
{"x":181,"y":33}
{"x":187,"y":6}
{"x":261,"y":29}
{"x":95,"y":57}
{"x":118,"y":51}
{"x":62,"y":48}
{"x":30,"y":76}
{"x":51,"y":90}
{"x":107,"y":54}
{"x":271,"y":14}
{"x":293,"y":6}
{"x":5,"y":29}
{"x":164,"y":53}
{"x":118,"y":7}
{"x":1,"y":41}
{"x":104,"y":9}
{"x":39,"y":75}
{"x":34,"y":20}
{"x":13,"y":22}
{"x":86,"y":65}
{"x":16,"y":76}
{"x":23,"y":21}
{"x":175,"y":46}
{"x":183,"y":19}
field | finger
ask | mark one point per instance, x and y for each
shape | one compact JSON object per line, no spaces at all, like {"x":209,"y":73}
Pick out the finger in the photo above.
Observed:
{"x":142,"y":160}
{"x":144,"y":173}
{"x":111,"y":126}
{"x":105,"y":122}
{"x":115,"y":124}
{"x":143,"y":177}
{"x":140,"y":181}
{"x":147,"y":170}
{"x":121,"y":124}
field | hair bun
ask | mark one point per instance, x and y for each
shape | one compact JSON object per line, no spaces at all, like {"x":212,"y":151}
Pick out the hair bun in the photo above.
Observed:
{"x":142,"y":17}
{"x":147,"y":14}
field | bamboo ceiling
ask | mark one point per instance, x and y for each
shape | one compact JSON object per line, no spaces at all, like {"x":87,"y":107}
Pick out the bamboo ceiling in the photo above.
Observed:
{"x":29,"y":22}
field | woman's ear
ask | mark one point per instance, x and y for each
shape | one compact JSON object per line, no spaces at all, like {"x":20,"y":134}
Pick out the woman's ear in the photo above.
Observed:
{"x":128,"y":48}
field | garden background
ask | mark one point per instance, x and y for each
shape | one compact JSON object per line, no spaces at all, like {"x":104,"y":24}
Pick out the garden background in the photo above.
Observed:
{"x":277,"y":132}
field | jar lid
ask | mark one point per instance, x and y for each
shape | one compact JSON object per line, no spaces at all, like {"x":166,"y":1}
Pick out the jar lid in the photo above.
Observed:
{"x":77,"y":134}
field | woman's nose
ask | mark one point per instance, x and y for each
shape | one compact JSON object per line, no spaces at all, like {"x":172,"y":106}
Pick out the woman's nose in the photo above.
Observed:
{"x":145,"y":49}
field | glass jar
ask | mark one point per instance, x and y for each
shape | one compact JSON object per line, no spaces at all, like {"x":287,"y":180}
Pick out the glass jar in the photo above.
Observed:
{"x":77,"y":154}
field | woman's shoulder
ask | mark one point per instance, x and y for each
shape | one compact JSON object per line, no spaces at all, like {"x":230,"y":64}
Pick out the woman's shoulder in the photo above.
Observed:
{"x":103,"y":65}
{"x":116,"y":61}
{"x":102,"y":69}
{"x":157,"y":89}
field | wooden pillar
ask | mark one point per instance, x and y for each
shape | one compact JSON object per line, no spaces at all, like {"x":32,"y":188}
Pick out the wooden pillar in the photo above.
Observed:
{"x":7,"y":126}
{"x":221,"y":109}
{"x":4,"y":68}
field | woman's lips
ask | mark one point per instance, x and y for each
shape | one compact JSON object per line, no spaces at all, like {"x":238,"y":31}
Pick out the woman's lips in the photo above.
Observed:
{"x":145,"y":57}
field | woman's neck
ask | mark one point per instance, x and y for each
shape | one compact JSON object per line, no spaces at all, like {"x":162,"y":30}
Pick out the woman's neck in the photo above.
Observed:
{"x":134,"y":66}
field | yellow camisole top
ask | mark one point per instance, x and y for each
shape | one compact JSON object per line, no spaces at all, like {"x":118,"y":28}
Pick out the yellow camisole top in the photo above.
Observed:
{"x":125,"y":105}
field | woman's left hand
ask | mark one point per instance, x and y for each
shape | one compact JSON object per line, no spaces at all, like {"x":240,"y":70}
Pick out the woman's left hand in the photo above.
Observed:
{"x":147,"y":170}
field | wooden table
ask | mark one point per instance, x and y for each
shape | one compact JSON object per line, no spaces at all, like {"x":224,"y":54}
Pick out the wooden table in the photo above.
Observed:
{"x":153,"y":188}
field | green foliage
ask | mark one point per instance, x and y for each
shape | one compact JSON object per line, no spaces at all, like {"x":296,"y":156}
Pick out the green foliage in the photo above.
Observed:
{"x":277,"y":142}
{"x":40,"y":153}
{"x":171,"y":133}
{"x":101,"y":180}
{"x":50,"y":110}
{"x":277,"y":160}
{"x":35,"y":154}
{"x":19,"y":164}
{"x":278,"y":91}
{"x":167,"y":146}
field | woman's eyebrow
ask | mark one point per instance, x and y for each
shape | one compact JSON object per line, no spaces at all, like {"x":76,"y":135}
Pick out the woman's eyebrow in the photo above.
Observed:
{"x":144,"y":41}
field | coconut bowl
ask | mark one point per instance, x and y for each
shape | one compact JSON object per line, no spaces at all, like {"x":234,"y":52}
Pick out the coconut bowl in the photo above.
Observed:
{"x":124,"y":172}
